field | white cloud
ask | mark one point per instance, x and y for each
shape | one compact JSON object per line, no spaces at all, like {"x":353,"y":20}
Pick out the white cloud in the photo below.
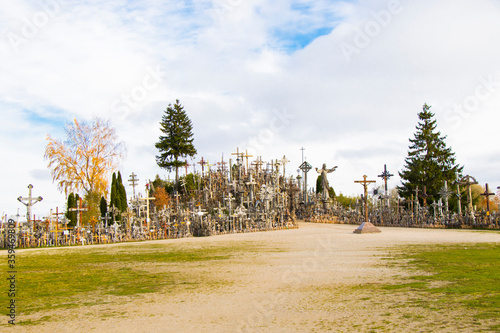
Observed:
{"x":232,"y":66}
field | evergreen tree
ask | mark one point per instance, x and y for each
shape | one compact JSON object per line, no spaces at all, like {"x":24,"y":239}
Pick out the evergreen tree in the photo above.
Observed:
{"x":103,"y":207}
{"x":72,"y":203}
{"x":429,"y":162}
{"x":114,"y":200}
{"x":177,"y":142}
{"x":121,"y":193}
{"x":319,"y":187}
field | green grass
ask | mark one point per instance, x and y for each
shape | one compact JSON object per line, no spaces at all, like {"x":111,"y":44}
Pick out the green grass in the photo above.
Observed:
{"x":465,"y":275}
{"x":68,"y":278}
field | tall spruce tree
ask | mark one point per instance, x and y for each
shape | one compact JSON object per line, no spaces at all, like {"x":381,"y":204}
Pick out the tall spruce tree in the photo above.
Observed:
{"x":429,"y":162}
{"x":177,"y":142}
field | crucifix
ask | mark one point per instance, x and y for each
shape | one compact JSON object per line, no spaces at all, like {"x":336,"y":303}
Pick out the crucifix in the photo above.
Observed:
{"x":469,"y":181}
{"x":385,"y":176}
{"x":284,"y":161}
{"x":365,"y":183}
{"x":302,"y":153}
{"x":487,"y":194}
{"x":30,"y":201}
{"x":133,"y":181}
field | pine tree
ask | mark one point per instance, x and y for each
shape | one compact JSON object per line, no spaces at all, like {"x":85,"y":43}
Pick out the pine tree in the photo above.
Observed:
{"x":103,"y":207}
{"x":121,"y":193}
{"x":429,"y":162}
{"x":177,"y":142}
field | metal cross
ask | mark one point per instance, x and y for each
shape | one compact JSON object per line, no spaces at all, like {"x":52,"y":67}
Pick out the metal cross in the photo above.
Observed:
{"x":30,"y":201}
{"x":365,"y":183}
{"x":305,"y":167}
{"x":385,"y":176}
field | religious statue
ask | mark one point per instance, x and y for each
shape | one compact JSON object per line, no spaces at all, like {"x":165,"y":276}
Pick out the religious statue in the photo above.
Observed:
{"x":324,"y":181}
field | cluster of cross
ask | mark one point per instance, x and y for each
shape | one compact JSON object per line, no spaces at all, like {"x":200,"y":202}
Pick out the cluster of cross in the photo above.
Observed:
{"x":242,"y":195}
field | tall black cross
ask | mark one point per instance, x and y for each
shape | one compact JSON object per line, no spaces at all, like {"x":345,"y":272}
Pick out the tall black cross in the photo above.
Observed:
{"x":385,"y":176}
{"x":487,"y":194}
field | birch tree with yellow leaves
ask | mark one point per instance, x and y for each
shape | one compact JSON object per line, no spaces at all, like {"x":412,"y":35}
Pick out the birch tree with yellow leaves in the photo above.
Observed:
{"x":84,"y":160}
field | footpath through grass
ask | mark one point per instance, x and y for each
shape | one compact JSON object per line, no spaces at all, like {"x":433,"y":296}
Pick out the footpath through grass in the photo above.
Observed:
{"x":465,"y":275}
{"x":72,"y":277}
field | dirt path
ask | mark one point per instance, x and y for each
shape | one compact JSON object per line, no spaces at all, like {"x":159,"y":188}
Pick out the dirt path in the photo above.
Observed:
{"x":310,"y":280}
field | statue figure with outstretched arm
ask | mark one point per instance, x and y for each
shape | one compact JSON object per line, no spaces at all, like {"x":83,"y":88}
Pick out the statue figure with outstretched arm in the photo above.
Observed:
{"x":324,"y":181}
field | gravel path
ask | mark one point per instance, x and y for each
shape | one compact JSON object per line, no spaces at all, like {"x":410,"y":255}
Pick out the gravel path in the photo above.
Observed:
{"x":312,"y":279}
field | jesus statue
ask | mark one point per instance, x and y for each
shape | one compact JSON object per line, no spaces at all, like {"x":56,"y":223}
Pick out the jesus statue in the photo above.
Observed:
{"x":324,"y":181}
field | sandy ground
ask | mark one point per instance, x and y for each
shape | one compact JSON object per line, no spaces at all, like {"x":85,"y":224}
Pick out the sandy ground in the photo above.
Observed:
{"x":320,"y":280}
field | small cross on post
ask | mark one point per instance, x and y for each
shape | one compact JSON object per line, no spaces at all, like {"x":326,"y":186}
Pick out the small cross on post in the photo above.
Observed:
{"x":365,"y":183}
{"x":487,"y":194}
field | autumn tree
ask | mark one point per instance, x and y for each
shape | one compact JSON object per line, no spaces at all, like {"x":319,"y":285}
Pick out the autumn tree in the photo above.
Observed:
{"x":429,"y":162}
{"x":84,"y":159}
{"x":162,"y":199}
{"x":176,"y":143}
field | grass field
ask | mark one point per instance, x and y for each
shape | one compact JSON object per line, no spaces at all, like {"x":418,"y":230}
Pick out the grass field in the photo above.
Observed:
{"x":463,"y":278}
{"x":453,"y":276}
{"x":74,"y":277}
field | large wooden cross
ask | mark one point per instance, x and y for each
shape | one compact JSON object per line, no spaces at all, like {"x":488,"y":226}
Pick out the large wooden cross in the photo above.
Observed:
{"x":79,"y":209}
{"x":202,"y":162}
{"x":147,"y":198}
{"x":246,"y":156}
{"x":487,"y":194}
{"x":365,"y":183}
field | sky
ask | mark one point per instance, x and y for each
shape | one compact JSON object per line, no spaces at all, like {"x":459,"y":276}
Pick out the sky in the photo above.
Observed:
{"x":345,"y":80}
